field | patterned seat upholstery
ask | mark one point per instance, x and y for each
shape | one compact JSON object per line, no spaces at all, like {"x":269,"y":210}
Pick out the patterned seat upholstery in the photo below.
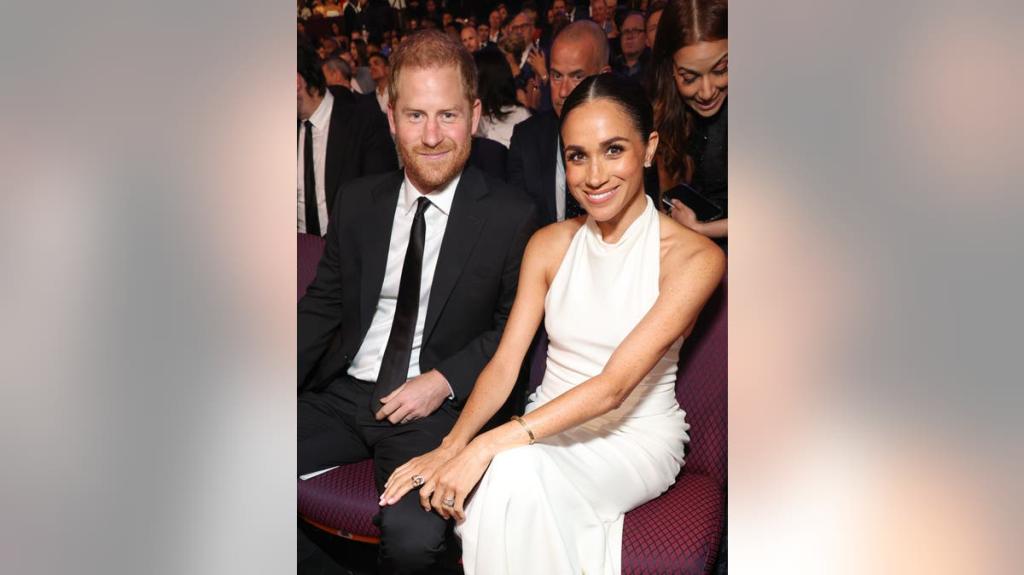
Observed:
{"x":310,"y":247}
{"x":679,"y":532}
{"x":342,"y":501}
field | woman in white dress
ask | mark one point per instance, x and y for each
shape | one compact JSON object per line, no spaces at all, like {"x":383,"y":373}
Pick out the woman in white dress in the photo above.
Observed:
{"x":618,"y":290}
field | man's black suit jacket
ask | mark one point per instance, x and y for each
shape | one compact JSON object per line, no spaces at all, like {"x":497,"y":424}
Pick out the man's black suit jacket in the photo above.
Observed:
{"x":473,"y":287}
{"x":531,"y":162}
{"x":358,"y":142}
{"x":489,"y":156}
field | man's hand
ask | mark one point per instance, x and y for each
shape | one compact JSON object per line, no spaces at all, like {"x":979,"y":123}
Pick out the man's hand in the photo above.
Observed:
{"x":415,"y":399}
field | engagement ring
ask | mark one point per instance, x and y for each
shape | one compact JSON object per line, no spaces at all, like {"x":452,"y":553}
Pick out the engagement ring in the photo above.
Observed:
{"x":417,"y":480}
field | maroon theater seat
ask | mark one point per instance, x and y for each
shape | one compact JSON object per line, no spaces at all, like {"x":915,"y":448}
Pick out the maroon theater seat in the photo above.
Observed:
{"x":680,"y":531}
{"x":310,"y":249}
{"x":342,"y":502}
{"x":676,"y":533}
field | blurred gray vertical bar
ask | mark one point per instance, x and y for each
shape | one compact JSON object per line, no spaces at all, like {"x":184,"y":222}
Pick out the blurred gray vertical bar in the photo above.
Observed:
{"x":148,"y":264}
{"x":876,"y":168}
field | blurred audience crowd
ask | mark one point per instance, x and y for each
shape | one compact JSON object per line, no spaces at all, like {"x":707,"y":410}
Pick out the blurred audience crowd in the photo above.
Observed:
{"x":530,"y":56}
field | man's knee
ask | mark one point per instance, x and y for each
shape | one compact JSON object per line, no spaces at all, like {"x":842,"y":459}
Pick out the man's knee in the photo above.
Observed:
{"x":412,"y":541}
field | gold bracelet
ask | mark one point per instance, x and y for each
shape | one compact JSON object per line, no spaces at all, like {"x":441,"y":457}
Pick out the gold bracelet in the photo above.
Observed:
{"x":526,"y":427}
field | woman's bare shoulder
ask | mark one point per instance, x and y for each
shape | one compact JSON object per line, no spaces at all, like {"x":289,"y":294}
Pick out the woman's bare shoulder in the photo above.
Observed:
{"x":557,"y":234}
{"x":685,"y":253}
{"x":550,"y":243}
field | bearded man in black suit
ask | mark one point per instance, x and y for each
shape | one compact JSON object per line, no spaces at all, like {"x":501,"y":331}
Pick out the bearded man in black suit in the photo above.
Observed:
{"x":411,"y":296}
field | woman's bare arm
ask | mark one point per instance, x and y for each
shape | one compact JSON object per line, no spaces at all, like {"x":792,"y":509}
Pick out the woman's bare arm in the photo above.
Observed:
{"x":692,"y":271}
{"x":540,"y":262}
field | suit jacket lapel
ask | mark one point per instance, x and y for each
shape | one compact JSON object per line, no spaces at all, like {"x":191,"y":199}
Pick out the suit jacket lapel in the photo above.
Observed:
{"x":336,"y":144}
{"x":465,"y":221}
{"x":375,"y":232}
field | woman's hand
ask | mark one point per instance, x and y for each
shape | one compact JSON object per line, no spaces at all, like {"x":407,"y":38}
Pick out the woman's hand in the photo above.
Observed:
{"x":536,"y":61}
{"x":523,"y":100}
{"x":425,"y":467}
{"x":455,"y":480}
{"x":532,"y":94}
{"x":684,"y":215}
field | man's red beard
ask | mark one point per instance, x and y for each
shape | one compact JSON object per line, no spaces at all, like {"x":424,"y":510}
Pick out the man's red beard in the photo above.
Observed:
{"x":434,"y":174}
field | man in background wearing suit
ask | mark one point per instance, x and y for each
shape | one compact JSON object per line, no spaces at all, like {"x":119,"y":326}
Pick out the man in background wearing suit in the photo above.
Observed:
{"x":341,"y":137}
{"x":411,"y":296}
{"x":535,"y":161}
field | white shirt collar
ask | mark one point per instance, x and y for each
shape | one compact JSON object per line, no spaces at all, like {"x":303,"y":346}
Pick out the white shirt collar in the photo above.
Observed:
{"x":442,"y":199}
{"x":322,"y":116}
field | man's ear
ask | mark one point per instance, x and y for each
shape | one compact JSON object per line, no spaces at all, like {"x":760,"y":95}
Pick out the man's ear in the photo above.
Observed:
{"x":477,"y":110}
{"x":391,"y":119}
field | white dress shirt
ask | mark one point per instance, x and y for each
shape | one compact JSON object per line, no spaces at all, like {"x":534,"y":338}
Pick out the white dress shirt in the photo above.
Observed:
{"x":560,"y":190}
{"x":366,"y":363}
{"x":382,"y":98}
{"x":321,"y":120}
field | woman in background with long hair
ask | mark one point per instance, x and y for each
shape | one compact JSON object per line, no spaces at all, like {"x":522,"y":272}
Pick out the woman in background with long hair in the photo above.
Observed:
{"x":690,"y":86}
{"x":497,"y":89}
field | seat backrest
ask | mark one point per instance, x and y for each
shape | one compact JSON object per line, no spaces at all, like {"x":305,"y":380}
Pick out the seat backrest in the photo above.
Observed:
{"x":702,"y":388}
{"x":310,"y":247}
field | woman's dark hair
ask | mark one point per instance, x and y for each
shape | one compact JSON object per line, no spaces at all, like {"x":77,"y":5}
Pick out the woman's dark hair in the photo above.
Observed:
{"x":654,"y":6}
{"x":683,"y":23}
{"x":308,"y":65}
{"x":626,"y":93}
{"x":496,"y":86}
{"x":362,"y":55}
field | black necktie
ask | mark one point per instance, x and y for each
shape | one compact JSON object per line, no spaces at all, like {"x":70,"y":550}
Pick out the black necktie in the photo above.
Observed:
{"x":312,"y":217}
{"x":394,"y":367}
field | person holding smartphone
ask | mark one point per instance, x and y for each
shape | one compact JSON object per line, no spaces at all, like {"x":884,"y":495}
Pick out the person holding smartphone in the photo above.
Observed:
{"x":690,"y":86}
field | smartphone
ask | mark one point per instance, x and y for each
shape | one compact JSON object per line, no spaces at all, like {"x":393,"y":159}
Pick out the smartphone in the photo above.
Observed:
{"x":705,"y":210}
